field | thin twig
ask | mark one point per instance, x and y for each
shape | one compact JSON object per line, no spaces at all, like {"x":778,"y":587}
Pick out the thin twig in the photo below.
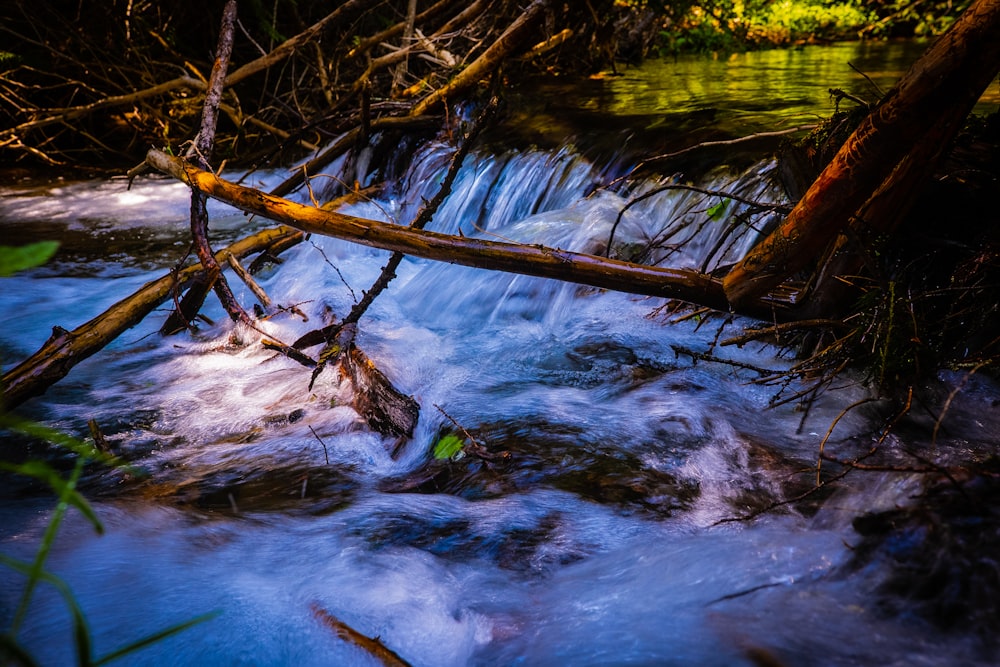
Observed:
{"x":419,"y":222}
{"x":709,"y":144}
{"x":325,"y":452}
{"x":829,"y":432}
{"x":951,"y":397}
{"x":781,"y":208}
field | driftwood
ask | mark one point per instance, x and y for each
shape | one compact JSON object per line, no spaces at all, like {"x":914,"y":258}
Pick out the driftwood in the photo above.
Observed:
{"x":383,"y":407}
{"x":927,"y":107}
{"x":65,"y":349}
{"x":534,"y":260}
{"x":372,"y":646}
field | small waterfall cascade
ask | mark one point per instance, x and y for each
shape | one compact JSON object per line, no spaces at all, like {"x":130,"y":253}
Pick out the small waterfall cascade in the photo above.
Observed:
{"x":610,"y":526}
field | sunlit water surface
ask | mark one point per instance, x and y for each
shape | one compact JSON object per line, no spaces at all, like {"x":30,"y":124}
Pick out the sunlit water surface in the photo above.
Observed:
{"x":604,"y":539}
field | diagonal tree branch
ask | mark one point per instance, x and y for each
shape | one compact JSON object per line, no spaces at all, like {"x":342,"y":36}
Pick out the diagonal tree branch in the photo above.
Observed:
{"x":535,"y":260}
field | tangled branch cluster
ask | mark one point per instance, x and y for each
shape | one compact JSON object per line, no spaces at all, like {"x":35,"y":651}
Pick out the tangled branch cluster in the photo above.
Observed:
{"x":96,"y":84}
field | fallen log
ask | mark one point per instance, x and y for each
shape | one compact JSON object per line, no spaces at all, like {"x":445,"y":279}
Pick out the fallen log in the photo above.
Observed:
{"x":65,"y":349}
{"x":383,"y":407}
{"x":931,"y":99}
{"x":533,"y":260}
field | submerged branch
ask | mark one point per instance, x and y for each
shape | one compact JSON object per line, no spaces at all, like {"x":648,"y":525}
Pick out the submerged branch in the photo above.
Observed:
{"x":372,"y":646}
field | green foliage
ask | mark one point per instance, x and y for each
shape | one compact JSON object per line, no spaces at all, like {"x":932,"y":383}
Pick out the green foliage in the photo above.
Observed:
{"x":736,"y":25}
{"x":11,"y":651}
{"x":795,"y":20}
{"x":718,"y":211}
{"x":8,"y":60}
{"x":81,"y":448}
{"x":263,"y":16}
{"x":450,"y":446}
{"x":14,"y":653}
{"x":902,"y":18}
{"x":19,"y":258}
{"x":44,"y":472}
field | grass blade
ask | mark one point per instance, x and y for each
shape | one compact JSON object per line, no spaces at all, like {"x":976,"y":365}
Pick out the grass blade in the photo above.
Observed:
{"x":153,"y":638}
{"x":45,"y":473}
{"x":13,"y":654}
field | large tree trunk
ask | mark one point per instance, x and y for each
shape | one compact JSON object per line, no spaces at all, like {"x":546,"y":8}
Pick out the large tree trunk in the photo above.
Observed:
{"x":916,"y":118}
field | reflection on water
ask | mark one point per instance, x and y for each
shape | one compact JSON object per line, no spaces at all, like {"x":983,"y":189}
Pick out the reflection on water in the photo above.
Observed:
{"x":775,"y":88}
{"x":670,"y":103}
{"x":602,"y":537}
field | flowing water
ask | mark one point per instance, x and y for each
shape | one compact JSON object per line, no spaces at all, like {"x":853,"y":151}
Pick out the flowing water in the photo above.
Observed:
{"x":602,"y":537}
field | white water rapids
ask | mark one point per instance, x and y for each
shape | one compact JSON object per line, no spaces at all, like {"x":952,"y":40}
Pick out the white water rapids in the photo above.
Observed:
{"x":602,"y":541}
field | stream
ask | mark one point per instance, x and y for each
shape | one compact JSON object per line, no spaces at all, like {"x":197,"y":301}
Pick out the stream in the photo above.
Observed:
{"x":621,"y":522}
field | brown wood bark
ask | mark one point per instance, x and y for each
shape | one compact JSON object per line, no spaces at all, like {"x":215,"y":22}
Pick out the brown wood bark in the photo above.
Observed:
{"x":200,"y":152}
{"x":534,"y":260}
{"x":835,"y":287}
{"x":942,"y":86}
{"x":383,"y":407}
{"x":477,"y":70}
{"x":373,"y":647}
{"x":65,"y":349}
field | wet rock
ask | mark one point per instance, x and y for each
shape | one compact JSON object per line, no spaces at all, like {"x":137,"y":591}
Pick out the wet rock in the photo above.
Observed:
{"x":547,"y":455}
{"x":938,"y":558}
{"x":282,"y":419}
{"x":264,"y":489}
{"x":516,"y":548}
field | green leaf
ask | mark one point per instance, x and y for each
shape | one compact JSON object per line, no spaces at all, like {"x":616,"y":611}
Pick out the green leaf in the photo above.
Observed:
{"x":19,"y":258}
{"x":718,"y":211}
{"x":449,"y":447}
{"x":81,"y":634}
